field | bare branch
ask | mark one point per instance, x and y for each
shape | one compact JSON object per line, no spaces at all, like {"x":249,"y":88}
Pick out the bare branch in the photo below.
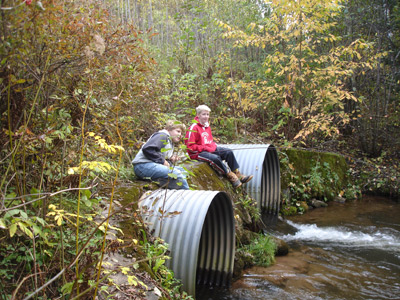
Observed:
{"x":45,"y":195}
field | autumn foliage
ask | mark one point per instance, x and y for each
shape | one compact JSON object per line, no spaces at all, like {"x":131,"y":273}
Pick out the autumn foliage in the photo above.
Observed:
{"x":84,"y":83}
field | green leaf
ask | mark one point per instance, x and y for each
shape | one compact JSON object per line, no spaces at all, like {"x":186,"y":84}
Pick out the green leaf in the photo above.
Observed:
{"x":25,"y":229}
{"x":158,"y":264}
{"x":23,"y":215}
{"x":85,"y":200}
{"x":67,"y":288}
{"x":132,"y":280}
{"x":13,"y":229}
{"x":172,"y":175}
{"x":11,"y":213}
{"x":11,"y":195}
{"x":41,"y":221}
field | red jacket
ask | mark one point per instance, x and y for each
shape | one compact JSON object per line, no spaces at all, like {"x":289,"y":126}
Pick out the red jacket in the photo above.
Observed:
{"x":199,"y":138}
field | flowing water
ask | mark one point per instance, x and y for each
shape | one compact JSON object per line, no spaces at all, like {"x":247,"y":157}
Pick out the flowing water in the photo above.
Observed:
{"x":345,"y":251}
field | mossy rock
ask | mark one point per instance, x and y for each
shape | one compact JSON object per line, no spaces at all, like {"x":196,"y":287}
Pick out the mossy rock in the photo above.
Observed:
{"x":297,"y":166}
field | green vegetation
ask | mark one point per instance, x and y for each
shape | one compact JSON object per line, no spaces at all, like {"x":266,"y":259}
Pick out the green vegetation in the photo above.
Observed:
{"x":250,"y":206}
{"x":158,"y":249}
{"x":84,"y":83}
{"x":308,"y":175}
{"x":262,"y":249}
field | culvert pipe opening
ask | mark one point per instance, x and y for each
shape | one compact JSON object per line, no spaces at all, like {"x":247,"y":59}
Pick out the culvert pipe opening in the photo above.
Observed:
{"x":199,"y":228}
{"x":261,"y":161}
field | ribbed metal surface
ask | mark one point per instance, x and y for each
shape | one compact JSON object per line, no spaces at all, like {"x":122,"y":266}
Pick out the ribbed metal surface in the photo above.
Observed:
{"x":261,"y":161}
{"x":199,"y":227}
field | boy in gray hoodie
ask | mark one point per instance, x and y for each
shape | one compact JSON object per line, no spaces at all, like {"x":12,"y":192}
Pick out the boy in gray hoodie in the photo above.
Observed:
{"x":156,"y":164}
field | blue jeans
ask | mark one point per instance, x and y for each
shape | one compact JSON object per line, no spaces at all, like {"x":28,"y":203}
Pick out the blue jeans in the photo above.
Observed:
{"x":159,"y":173}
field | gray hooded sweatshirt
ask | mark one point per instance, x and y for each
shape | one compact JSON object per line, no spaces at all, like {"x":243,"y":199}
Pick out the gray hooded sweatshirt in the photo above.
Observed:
{"x":151,"y":150}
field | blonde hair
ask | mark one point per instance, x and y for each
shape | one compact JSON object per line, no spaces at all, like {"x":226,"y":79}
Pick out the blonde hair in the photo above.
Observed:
{"x":174,"y":124}
{"x":201,"y":108}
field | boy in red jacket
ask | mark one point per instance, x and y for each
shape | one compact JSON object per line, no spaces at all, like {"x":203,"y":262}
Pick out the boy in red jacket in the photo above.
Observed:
{"x":201,"y":146}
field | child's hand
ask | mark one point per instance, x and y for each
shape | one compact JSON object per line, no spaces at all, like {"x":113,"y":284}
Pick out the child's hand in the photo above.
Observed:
{"x":174,"y":158}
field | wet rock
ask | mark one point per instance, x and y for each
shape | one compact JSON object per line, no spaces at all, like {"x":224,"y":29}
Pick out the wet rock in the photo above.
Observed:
{"x":340,"y":199}
{"x":282,"y":248}
{"x":245,"y":237}
{"x":243,"y":260}
{"x":318,"y":203}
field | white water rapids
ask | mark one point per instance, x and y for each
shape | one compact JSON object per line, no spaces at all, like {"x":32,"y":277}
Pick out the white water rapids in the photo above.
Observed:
{"x":385,"y":238}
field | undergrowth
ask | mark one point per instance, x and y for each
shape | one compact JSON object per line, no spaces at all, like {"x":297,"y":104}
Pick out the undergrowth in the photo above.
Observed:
{"x":262,"y":249}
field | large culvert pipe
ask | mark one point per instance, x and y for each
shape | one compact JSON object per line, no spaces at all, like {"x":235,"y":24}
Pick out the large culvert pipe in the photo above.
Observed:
{"x":261,"y":161}
{"x":199,"y":228}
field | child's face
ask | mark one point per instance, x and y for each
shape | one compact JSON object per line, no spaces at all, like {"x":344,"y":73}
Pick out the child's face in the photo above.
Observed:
{"x":176,"y":135}
{"x":204,"y":116}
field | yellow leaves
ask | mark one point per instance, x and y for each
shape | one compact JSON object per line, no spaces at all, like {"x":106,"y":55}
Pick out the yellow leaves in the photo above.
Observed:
{"x":252,"y":25}
{"x":132,"y":279}
{"x":61,"y":215}
{"x":103,"y":229}
{"x":58,"y":219}
{"x":242,"y":95}
{"x":57,"y":213}
{"x":18,"y":219}
{"x":224,"y":25}
{"x":330,"y":38}
{"x":321,"y":123}
{"x":103,"y":144}
{"x":96,"y":166}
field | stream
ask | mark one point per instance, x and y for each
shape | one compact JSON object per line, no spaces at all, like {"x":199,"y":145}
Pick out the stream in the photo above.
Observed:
{"x":344,"y":251}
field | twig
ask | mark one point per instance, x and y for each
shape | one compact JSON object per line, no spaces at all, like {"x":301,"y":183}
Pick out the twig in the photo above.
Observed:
{"x":110,"y":207}
{"x":45,"y":195}
{"x":20,"y":284}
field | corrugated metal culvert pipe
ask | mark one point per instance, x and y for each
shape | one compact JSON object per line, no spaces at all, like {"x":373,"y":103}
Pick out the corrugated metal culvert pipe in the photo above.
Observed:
{"x":199,"y":227}
{"x":261,"y":161}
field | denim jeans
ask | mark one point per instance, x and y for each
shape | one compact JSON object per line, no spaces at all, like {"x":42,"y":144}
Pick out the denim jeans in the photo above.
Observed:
{"x":159,"y":173}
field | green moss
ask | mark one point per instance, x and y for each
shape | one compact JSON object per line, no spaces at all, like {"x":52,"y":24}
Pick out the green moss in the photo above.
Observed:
{"x":288,"y":210}
{"x":205,"y":178}
{"x":131,"y":194}
{"x":303,"y":161}
{"x":308,"y":174}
